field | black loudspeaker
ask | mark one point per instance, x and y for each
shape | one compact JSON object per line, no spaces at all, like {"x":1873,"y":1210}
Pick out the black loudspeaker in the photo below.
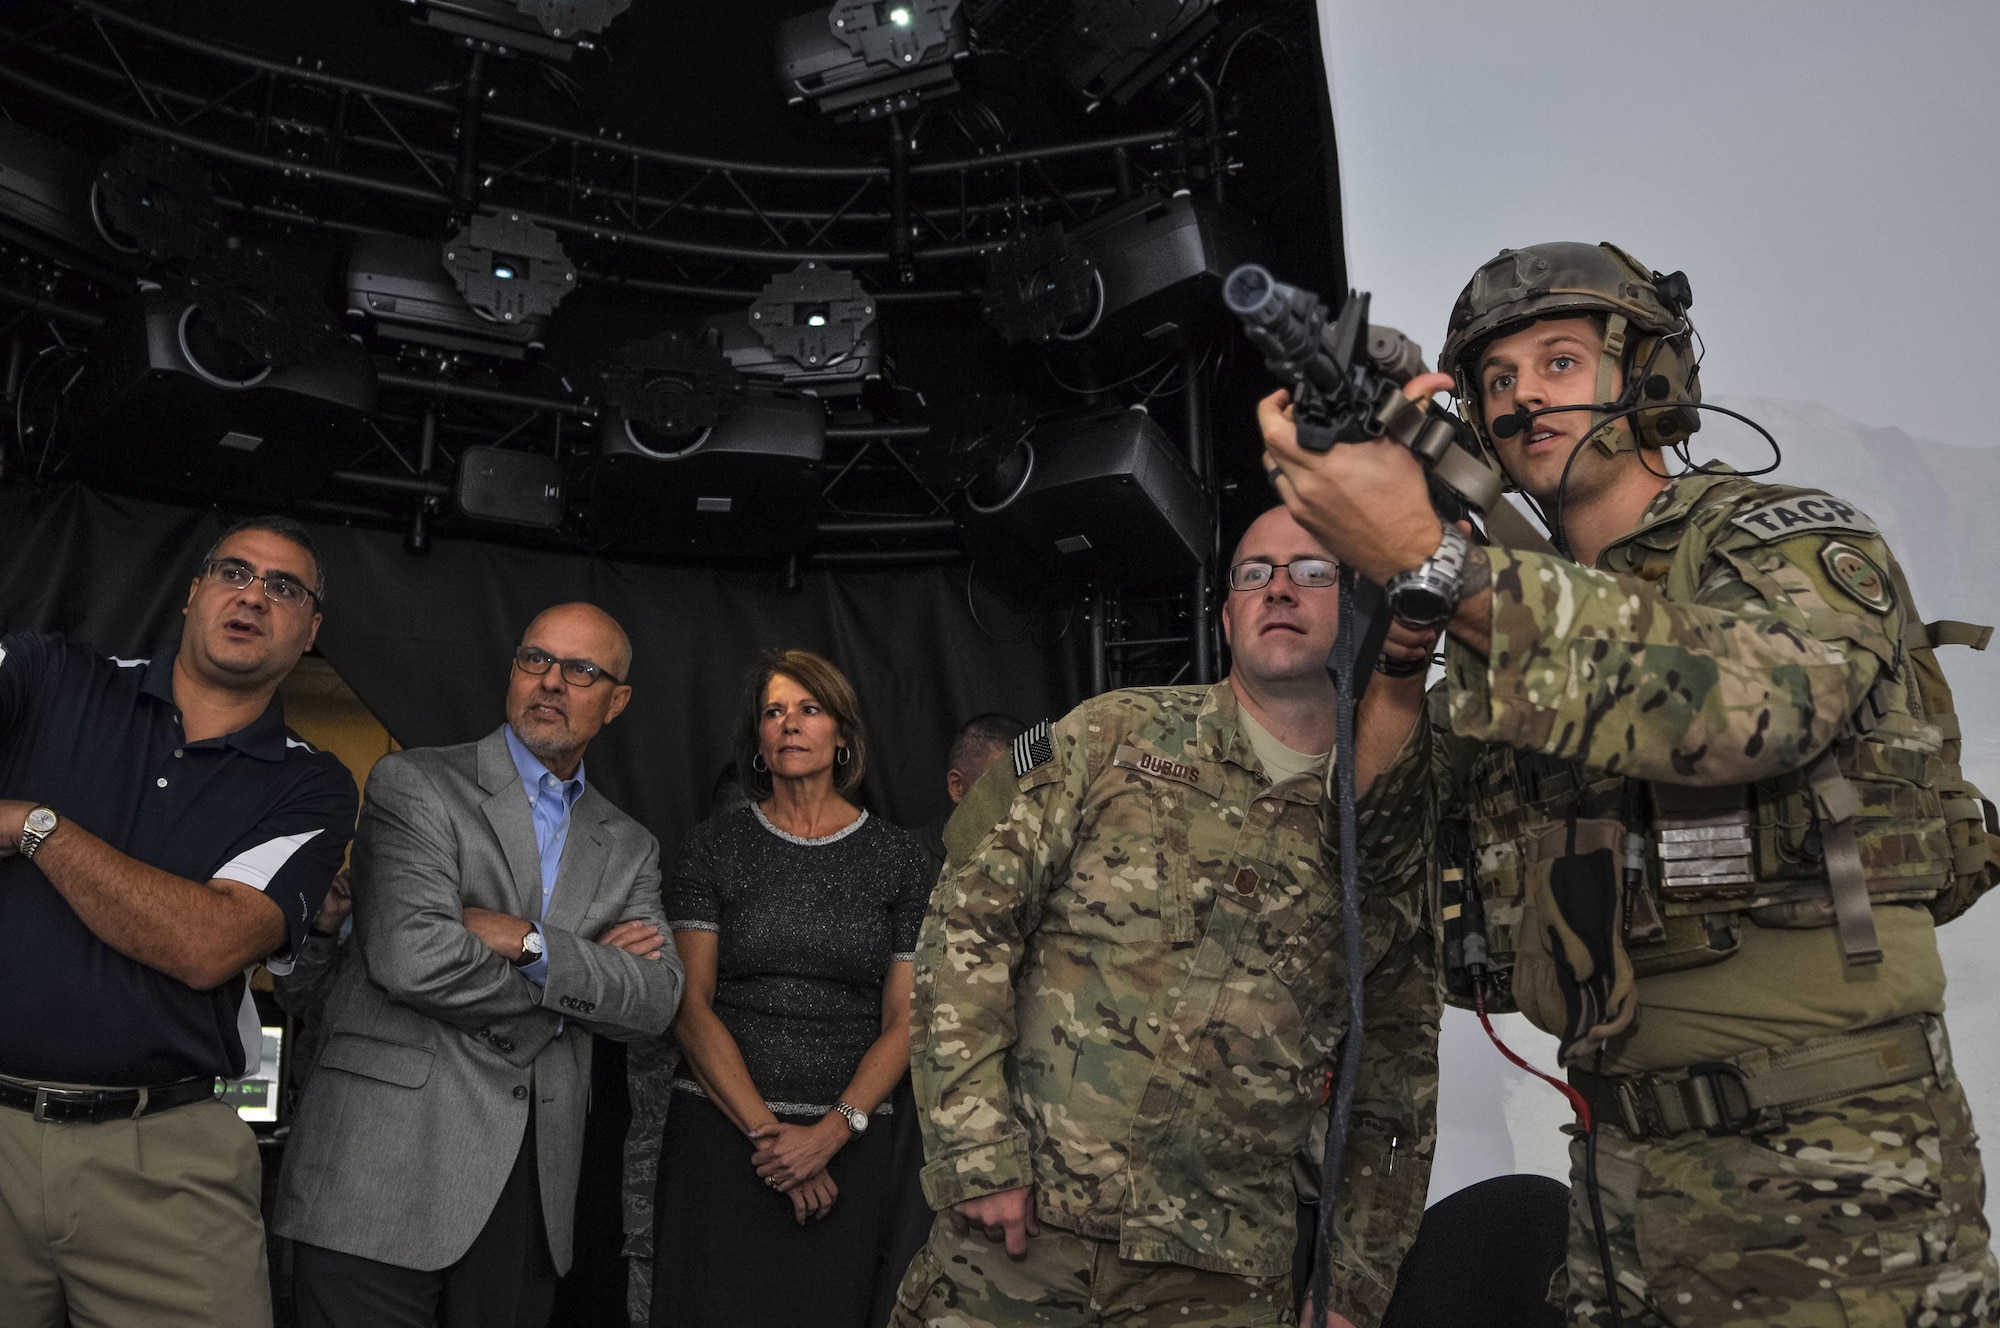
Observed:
{"x":1104,"y":500}
{"x":398,"y":287}
{"x":515,"y":488}
{"x":167,"y":398}
{"x":1160,"y":266}
{"x":747,"y":487}
{"x":48,"y":205}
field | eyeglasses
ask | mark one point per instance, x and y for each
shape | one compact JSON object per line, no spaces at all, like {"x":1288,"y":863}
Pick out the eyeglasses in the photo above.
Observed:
{"x":279,"y":587}
{"x":1306,"y":573}
{"x":575,"y":672}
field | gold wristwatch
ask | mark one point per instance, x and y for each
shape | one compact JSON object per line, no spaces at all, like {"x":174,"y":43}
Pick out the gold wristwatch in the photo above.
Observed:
{"x":41,"y":824}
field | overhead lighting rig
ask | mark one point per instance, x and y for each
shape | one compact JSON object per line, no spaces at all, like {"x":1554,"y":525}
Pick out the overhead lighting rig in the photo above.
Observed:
{"x":666,"y":391}
{"x":153,"y":199}
{"x":508,"y":269}
{"x":1119,"y":48}
{"x":551,"y":29}
{"x":865,"y":59}
{"x":1041,"y":286}
{"x":812,"y":329}
{"x":46,"y":193}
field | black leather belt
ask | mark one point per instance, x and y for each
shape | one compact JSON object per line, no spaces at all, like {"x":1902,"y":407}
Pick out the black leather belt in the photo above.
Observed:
{"x":88,"y":1106}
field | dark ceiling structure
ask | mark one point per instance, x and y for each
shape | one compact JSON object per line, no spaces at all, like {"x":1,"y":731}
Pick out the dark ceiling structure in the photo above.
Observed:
{"x":761,"y":285}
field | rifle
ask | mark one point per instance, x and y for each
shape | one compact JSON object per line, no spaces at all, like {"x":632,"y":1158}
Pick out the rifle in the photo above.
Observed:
{"x":1346,"y":381}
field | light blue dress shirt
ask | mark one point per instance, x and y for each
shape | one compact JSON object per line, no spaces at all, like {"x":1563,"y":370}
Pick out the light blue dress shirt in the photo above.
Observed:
{"x":550,"y":801}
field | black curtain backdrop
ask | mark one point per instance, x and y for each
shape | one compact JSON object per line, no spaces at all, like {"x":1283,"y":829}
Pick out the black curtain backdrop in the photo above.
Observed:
{"x":425,"y":644}
{"x":425,"y":641}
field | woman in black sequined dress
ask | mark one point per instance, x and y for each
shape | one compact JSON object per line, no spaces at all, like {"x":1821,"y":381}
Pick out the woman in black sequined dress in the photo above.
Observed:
{"x":796,"y":917}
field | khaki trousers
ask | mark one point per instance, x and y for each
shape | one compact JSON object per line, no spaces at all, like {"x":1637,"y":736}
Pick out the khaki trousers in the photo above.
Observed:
{"x":152,"y":1221}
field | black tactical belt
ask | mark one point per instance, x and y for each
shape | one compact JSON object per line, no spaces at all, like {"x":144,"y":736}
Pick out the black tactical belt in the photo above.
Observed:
{"x":1754,"y":1090}
{"x":88,"y":1106}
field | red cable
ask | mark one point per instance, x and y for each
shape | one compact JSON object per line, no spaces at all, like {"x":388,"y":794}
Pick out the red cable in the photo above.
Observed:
{"x":1576,"y":1100}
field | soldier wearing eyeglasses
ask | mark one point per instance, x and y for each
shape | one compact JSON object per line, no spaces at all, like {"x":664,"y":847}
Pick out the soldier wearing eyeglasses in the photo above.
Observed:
{"x":161,"y":832}
{"x":505,"y":912}
{"x":1128,"y":1002}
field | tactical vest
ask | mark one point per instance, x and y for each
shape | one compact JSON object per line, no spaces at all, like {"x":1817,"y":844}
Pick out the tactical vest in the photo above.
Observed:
{"x":1885,"y":815}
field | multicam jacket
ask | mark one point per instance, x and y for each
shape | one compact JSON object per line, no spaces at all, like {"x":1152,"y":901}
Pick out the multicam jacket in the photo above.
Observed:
{"x":1729,"y":639}
{"x":1131,"y":995}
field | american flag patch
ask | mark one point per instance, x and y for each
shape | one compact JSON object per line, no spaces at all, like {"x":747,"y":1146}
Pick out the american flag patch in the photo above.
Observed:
{"x":1033,"y":748}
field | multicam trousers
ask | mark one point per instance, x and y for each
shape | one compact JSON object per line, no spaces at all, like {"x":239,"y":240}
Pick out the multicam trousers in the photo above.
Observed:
{"x":1070,"y":1281}
{"x":1863,"y":1212}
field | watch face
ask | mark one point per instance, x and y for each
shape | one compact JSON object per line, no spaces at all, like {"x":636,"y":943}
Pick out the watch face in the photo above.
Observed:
{"x":41,"y":821}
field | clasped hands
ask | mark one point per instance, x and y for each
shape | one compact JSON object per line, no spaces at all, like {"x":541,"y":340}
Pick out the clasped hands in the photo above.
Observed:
{"x":792,"y":1160}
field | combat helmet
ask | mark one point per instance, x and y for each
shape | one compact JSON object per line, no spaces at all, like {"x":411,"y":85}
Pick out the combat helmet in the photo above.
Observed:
{"x":1646,"y":330}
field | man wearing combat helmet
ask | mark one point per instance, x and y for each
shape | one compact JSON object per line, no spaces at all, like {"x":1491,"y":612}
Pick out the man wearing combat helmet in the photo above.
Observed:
{"x":1685,"y":783}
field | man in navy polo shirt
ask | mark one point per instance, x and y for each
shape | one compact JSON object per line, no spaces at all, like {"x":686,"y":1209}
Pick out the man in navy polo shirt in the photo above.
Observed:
{"x":161,"y":832}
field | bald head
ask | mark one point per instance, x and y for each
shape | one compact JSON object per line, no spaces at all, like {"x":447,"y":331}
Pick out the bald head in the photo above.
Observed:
{"x":610,"y":648}
{"x":554,"y":717}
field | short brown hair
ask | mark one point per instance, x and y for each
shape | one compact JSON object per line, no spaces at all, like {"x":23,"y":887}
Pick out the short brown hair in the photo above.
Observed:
{"x":829,"y":686}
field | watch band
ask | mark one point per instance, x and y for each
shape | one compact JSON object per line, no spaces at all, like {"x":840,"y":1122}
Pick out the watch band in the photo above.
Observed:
{"x":41,"y":823}
{"x":1426,"y":595}
{"x":857,"y":1120}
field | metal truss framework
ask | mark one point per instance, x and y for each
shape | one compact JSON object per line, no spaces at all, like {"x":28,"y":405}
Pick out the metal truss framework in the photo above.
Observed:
{"x":292,"y":146}
{"x":301,"y":145}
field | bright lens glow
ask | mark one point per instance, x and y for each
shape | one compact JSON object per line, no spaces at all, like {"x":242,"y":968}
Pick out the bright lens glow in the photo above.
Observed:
{"x":900,"y":17}
{"x":816,"y":320}
{"x":504,"y":272}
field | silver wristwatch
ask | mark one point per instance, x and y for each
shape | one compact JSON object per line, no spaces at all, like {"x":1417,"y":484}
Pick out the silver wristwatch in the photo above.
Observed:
{"x":857,"y":1119}
{"x":41,"y":824}
{"x":1427,"y":595}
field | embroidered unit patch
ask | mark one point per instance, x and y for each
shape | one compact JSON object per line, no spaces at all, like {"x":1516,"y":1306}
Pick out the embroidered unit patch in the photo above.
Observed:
{"x":1802,"y":515}
{"x":1852,"y":571}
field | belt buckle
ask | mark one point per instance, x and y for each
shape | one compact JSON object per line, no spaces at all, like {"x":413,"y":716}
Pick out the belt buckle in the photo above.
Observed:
{"x":1629,"y":1109}
{"x":1733,"y":1115}
{"x":60,"y":1099}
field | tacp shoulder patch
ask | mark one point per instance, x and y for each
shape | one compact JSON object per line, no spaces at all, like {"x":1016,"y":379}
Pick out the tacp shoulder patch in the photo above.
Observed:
{"x":1855,"y":573}
{"x":1802,"y":515}
{"x":1033,"y":748}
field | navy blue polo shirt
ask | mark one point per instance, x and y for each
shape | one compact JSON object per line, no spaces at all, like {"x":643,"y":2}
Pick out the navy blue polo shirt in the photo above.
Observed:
{"x":100,"y":742}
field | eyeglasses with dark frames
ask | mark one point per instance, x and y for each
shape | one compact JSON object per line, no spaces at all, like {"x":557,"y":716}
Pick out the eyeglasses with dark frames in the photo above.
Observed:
{"x":1306,"y":573}
{"x":279,"y":587}
{"x":575,"y":672}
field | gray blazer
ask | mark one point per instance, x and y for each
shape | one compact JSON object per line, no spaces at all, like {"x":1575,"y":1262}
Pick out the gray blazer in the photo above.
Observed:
{"x":417,"y":1107}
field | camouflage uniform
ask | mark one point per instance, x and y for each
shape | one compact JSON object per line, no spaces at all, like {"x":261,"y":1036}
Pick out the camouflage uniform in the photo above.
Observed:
{"x":649,"y":1078}
{"x":1131,"y":996}
{"x":1727,"y":640}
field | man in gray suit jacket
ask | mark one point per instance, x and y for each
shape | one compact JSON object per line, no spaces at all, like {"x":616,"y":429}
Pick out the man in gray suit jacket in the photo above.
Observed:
{"x":431,"y":1175}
